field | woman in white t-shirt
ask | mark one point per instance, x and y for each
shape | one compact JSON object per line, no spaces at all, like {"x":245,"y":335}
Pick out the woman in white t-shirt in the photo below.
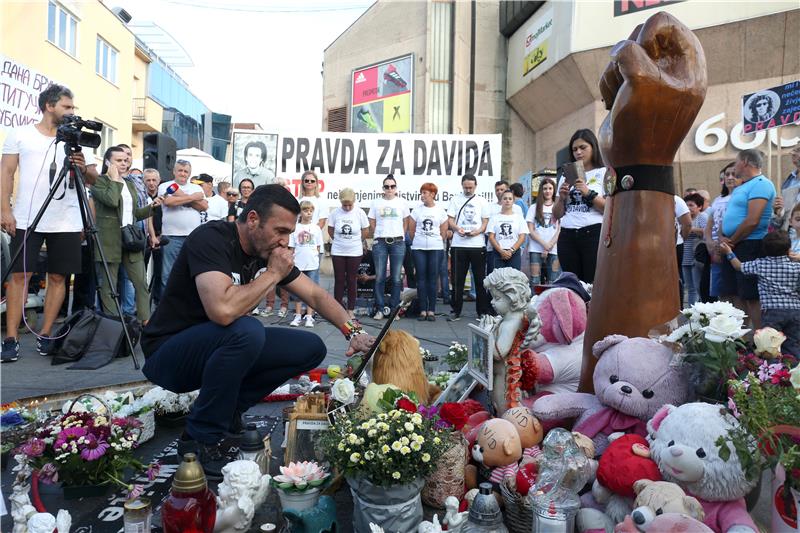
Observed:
{"x":347,"y":227}
{"x":544,"y":230}
{"x":428,"y":229}
{"x":507,"y":232}
{"x":388,"y":218}
{"x":310,"y":189}
{"x":579,"y":209}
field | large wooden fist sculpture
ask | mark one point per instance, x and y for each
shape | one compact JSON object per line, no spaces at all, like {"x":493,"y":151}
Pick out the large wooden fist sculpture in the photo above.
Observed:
{"x":653,"y":87}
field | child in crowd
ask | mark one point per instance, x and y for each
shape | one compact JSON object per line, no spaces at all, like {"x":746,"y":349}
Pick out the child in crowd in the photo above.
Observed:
{"x":507,"y":232}
{"x":306,"y":241}
{"x":794,"y":233}
{"x":778,"y":286}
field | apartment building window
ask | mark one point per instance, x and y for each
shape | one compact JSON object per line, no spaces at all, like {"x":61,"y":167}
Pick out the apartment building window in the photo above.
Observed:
{"x":62,"y":28}
{"x":107,"y":136}
{"x":105,"y":60}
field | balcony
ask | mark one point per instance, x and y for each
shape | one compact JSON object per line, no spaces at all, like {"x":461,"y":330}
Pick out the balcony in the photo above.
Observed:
{"x":147,"y":115}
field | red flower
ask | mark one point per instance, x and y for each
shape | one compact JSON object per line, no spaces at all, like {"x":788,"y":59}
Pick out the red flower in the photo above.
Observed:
{"x":406,"y":405}
{"x":472,"y":406}
{"x":454,"y":414}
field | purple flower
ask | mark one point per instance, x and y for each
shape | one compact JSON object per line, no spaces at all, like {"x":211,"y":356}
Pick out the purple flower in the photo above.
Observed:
{"x":428,"y":412}
{"x":94,"y":449}
{"x":48,"y":474}
{"x":69,"y":435}
{"x":764,"y":371}
{"x":442,"y":424}
{"x":134,"y":491}
{"x":153,"y":470}
{"x":34,"y":447}
{"x":733,"y":408}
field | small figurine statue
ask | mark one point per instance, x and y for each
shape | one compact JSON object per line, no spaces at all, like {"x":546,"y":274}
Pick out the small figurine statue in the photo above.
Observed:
{"x":46,"y":523}
{"x":243,"y":489}
{"x":21,"y":508}
{"x":452,"y":518}
{"x":430,"y":527}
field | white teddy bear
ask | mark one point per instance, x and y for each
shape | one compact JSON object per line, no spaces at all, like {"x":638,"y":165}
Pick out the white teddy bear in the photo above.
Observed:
{"x":682,"y":443}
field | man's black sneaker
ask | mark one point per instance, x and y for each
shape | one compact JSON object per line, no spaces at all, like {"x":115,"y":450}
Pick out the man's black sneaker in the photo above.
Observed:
{"x":43,"y":346}
{"x":236,"y":429}
{"x":453,"y":317}
{"x":186,"y":444}
{"x":213,"y":457}
{"x":10,"y":350}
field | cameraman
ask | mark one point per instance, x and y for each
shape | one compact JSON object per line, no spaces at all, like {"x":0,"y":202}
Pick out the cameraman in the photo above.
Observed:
{"x":34,"y":151}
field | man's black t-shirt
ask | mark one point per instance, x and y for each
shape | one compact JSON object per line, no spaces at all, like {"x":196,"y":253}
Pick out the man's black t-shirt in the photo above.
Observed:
{"x":212,"y":247}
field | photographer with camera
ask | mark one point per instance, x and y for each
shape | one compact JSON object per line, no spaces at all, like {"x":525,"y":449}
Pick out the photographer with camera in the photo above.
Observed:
{"x":115,"y":201}
{"x":34,"y":150}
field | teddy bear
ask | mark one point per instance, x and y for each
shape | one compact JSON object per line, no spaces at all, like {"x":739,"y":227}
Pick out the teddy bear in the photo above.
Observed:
{"x":666,"y":523}
{"x":397,"y":361}
{"x":683,"y":444}
{"x":633,"y":378}
{"x":654,"y":498}
{"x":497,"y":452}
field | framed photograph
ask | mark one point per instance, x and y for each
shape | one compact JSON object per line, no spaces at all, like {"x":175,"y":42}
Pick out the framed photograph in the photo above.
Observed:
{"x":254,"y":157}
{"x":479,"y":360}
{"x":459,"y":389}
{"x":307,"y":423}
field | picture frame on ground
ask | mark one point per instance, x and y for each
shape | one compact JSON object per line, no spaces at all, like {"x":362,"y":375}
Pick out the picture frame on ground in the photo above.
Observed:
{"x":459,"y":389}
{"x":307,"y":423}
{"x":479,"y":360}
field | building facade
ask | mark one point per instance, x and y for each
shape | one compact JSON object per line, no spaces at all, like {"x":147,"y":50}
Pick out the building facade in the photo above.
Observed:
{"x":530,"y":71}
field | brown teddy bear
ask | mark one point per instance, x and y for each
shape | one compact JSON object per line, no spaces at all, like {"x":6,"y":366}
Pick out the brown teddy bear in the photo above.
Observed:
{"x":398,"y":362}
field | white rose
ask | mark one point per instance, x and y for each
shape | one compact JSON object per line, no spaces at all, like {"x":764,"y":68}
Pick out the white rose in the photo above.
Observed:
{"x":794,"y":378}
{"x":343,"y":391}
{"x":722,"y":328}
{"x":768,"y":341}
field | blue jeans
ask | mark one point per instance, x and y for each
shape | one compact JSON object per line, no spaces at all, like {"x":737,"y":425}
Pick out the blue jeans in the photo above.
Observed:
{"x":313,"y":275}
{"x":169,"y":254}
{"x":427,"y":263}
{"x":126,"y":292}
{"x":234,"y":367}
{"x":395,"y":253}
{"x":514,"y":262}
{"x":550,"y":265}
{"x":691,"y":280}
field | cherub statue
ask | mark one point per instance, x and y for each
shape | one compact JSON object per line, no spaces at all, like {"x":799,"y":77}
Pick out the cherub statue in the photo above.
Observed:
{"x":430,"y":527}
{"x":242,"y":490}
{"x":46,"y":523}
{"x":21,"y":508}
{"x":452,"y":518}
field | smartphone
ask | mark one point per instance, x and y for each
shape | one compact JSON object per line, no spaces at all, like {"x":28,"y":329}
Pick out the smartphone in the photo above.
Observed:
{"x":573,"y":171}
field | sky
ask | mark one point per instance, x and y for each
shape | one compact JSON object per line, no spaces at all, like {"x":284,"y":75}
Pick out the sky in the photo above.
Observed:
{"x":256,"y":60}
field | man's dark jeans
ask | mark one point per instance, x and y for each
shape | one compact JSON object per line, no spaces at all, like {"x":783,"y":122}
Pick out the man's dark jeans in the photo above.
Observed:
{"x":234,"y":367}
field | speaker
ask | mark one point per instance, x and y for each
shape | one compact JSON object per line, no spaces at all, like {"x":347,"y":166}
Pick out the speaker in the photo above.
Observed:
{"x":159,"y":153}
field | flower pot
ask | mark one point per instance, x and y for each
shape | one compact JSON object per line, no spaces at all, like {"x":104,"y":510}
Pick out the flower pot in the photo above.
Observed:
{"x":171,"y":420}
{"x":448,"y":478}
{"x":299,"y":501}
{"x":394,"y":508}
{"x":74,"y":492}
{"x":785,"y":503}
{"x":148,"y":426}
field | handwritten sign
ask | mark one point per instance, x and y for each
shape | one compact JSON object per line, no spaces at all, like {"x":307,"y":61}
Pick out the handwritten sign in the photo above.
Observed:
{"x":19,"y":93}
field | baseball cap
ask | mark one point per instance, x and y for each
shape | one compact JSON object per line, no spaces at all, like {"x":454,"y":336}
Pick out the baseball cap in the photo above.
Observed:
{"x":202,"y":178}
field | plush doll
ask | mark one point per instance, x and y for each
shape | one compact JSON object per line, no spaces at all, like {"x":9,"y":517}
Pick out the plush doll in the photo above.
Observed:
{"x":654,"y":498}
{"x":529,"y":430}
{"x":632,"y":379}
{"x":397,"y":361}
{"x":683,"y":444}
{"x":497,"y":452}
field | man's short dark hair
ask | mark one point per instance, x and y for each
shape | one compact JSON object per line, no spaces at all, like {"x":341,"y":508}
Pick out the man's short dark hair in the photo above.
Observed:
{"x":256,"y":144}
{"x":777,"y":243}
{"x":517,"y":189}
{"x":501,"y":182}
{"x":469,"y":177}
{"x":123,"y":145}
{"x":752,"y":157}
{"x":52,"y":95}
{"x":266,"y":196}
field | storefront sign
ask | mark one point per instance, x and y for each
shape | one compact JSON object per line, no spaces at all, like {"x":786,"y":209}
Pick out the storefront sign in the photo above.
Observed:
{"x":709,"y":138}
{"x":382,"y":96}
{"x":537,"y":41}
{"x":625,"y":7}
{"x":771,"y":108}
{"x":19,"y":93}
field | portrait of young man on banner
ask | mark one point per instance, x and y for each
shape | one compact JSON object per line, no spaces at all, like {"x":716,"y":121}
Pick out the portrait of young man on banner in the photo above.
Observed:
{"x":254,"y":157}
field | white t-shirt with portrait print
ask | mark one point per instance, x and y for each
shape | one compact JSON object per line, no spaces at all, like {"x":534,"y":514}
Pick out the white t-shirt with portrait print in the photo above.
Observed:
{"x":306,"y":240}
{"x":347,"y":226}
{"x":388,"y":216}
{"x":494,"y":209}
{"x":507,"y":229}
{"x":577,"y":214}
{"x":468,"y":213}
{"x":545,"y":231}
{"x":427,"y":235}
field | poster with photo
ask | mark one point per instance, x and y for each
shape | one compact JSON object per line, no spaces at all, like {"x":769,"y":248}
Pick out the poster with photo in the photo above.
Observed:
{"x":381,"y":97}
{"x":254,"y":157}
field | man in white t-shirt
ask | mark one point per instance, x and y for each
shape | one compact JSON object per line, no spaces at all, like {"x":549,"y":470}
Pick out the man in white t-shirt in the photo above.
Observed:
{"x":33,"y":149}
{"x":217,"y":205}
{"x":180,"y":214}
{"x":468,"y":215}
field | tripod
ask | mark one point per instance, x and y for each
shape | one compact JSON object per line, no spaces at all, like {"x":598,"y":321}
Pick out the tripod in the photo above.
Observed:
{"x":77,"y":182}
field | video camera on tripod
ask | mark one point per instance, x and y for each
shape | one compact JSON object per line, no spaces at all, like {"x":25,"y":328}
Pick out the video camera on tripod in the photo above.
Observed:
{"x":71,"y":133}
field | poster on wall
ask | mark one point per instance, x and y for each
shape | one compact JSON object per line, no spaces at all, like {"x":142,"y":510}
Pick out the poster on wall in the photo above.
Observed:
{"x":20,"y":87}
{"x":254,"y":156}
{"x":537,"y":41}
{"x":382,"y":97}
{"x":771,"y":108}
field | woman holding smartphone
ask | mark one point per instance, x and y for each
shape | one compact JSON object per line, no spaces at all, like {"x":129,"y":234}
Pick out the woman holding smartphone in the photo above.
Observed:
{"x":580,"y":208}
{"x":115,"y":207}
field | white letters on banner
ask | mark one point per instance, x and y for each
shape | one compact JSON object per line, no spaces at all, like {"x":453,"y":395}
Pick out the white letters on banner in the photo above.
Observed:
{"x":710,"y":139}
{"x":362,"y":160}
{"x":19,"y":93}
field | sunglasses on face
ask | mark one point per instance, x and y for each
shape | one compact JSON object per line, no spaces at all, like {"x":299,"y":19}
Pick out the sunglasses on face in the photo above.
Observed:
{"x":387,"y":187}
{"x":233,"y":194}
{"x":309,"y":181}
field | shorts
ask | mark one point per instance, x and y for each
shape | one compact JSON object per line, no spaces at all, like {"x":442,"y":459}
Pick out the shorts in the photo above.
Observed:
{"x":733,"y":282}
{"x":63,"y":252}
{"x":313,"y":275}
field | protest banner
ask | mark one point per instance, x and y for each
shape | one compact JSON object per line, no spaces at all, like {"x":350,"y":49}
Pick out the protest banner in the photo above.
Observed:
{"x":771,"y":108}
{"x":20,"y":87}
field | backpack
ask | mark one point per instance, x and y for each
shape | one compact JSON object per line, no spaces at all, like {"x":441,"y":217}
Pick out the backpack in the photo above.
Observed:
{"x":91,"y":340}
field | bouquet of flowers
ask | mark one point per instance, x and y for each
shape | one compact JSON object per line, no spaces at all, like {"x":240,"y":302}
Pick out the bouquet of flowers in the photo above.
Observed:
{"x":121,"y":405}
{"x":767,"y":405}
{"x":391,"y":448}
{"x":426,"y":355}
{"x":441,"y":379}
{"x":169,"y":403}
{"x":83,"y":449}
{"x":456,"y":356}
{"x":711,"y":338}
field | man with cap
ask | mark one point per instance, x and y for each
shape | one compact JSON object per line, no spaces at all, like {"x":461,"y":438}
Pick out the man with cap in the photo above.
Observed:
{"x":217,"y":205}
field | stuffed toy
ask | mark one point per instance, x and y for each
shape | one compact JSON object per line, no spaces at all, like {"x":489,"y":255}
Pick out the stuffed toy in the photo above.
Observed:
{"x":654,"y":498}
{"x":497,"y":451}
{"x":632,"y":379}
{"x":665,"y":523}
{"x":397,"y":361}
{"x":529,"y":430}
{"x":683,"y":444}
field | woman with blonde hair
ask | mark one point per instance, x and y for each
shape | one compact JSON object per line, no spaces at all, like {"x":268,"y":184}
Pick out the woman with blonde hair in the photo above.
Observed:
{"x":347,"y":227}
{"x":309,"y":191}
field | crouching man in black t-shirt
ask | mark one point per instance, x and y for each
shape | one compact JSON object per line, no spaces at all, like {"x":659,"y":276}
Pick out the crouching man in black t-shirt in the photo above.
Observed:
{"x":202,"y":337}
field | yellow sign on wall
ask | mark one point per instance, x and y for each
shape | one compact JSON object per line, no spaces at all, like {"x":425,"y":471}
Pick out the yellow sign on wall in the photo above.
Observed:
{"x":397,"y":114}
{"x":535,"y":58}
